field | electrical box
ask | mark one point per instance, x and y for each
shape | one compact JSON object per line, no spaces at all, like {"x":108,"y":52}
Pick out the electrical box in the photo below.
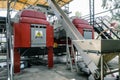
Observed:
{"x":38,"y":35}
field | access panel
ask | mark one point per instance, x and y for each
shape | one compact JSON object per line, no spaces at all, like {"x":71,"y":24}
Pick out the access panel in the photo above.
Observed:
{"x":38,"y":35}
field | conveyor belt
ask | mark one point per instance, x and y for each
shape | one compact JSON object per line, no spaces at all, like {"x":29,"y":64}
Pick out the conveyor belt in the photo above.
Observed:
{"x":73,"y":34}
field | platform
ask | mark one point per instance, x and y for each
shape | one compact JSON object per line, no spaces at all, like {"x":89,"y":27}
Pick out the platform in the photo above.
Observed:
{"x":100,"y":46}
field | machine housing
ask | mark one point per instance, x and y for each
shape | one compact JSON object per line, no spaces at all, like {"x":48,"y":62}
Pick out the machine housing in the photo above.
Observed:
{"x":33,"y":35}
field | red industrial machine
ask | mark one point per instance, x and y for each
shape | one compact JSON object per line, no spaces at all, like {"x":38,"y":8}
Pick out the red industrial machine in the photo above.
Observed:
{"x":84,"y":28}
{"x":33,"y":35}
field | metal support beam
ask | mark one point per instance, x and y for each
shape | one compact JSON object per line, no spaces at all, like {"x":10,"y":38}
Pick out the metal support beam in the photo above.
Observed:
{"x":91,"y":8}
{"x":102,"y":68}
{"x":10,"y":59}
{"x":74,"y":56}
{"x":16,"y":61}
{"x":50,"y":57}
{"x":119,"y":65}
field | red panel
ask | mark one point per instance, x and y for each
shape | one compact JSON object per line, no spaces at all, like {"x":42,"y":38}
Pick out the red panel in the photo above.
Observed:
{"x":49,"y":36}
{"x":21,"y":35}
{"x":33,"y":14}
{"x":33,"y":20}
{"x":25,"y":35}
{"x":50,"y":43}
{"x":16,"y":61}
{"x":17,"y":35}
{"x":80,"y":30}
{"x":79,"y":21}
{"x":84,"y":26}
{"x":92,"y":34}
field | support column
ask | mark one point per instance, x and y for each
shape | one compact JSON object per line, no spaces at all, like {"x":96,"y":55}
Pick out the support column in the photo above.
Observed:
{"x":50,"y":57}
{"x":102,"y":68}
{"x":92,"y":12}
{"x":10,"y":59}
{"x":16,"y":61}
{"x":119,"y":64}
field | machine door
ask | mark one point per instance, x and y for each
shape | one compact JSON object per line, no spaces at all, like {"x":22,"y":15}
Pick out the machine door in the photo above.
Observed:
{"x":38,"y":35}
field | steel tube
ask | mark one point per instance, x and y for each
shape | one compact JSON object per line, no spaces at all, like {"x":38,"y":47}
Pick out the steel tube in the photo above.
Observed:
{"x":9,"y":43}
{"x":119,"y":64}
{"x":102,"y":69}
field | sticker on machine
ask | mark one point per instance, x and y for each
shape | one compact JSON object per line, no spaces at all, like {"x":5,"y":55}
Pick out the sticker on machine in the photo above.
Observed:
{"x":38,"y":34}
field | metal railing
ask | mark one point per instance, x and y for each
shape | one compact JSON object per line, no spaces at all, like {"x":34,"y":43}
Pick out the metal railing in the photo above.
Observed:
{"x":100,"y":21}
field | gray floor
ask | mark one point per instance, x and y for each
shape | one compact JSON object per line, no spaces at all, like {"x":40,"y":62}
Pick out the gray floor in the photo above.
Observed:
{"x":59,"y":72}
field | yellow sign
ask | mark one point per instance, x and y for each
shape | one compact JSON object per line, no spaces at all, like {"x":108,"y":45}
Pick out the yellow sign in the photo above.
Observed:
{"x":38,"y":34}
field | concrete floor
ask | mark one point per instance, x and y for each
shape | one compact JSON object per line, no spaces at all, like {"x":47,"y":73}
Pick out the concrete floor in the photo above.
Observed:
{"x":59,"y":72}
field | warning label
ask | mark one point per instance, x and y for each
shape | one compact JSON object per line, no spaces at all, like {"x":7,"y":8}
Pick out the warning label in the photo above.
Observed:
{"x":38,"y":34}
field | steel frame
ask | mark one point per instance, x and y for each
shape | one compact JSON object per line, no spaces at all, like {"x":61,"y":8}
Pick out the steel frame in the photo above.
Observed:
{"x":102,"y":67}
{"x":10,"y":57}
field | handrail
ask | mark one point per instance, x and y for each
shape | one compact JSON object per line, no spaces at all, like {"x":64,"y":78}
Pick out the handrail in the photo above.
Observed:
{"x":102,"y":33}
{"x":103,"y":36}
{"x":108,"y":28}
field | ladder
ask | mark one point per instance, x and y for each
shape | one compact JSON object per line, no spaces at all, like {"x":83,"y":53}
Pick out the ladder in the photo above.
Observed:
{"x":71,"y":58}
